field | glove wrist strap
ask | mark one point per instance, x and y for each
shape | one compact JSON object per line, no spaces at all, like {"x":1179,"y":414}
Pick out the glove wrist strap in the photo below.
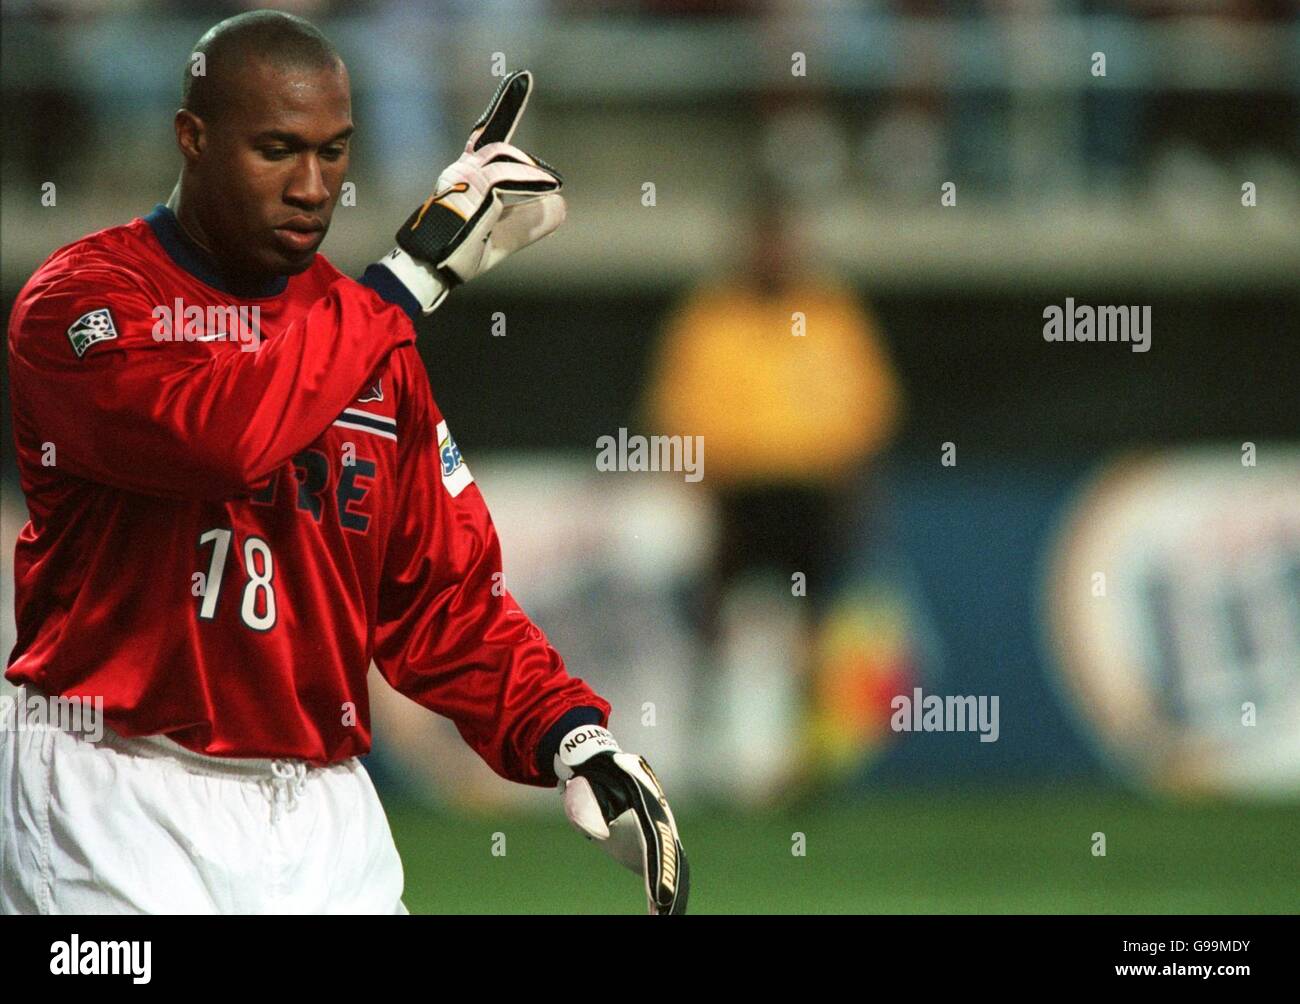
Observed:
{"x":580,"y":745}
{"x":422,"y":281}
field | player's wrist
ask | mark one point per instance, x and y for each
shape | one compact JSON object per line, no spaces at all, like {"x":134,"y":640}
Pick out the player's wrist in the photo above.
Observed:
{"x":418,"y":278}
{"x":579,"y":745}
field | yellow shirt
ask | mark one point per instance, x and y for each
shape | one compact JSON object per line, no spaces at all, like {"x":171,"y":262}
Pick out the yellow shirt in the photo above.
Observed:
{"x":774,"y":405}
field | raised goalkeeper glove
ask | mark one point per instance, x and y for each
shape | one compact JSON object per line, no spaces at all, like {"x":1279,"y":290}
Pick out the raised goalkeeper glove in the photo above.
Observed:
{"x":493,"y":201}
{"x":614,"y":798}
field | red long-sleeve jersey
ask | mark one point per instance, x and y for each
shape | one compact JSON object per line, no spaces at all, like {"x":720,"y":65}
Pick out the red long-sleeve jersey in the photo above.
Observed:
{"x":228,"y":523}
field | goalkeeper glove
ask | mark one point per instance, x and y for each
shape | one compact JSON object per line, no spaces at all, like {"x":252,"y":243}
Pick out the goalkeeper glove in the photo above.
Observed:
{"x":493,"y":201}
{"x":615,"y":799}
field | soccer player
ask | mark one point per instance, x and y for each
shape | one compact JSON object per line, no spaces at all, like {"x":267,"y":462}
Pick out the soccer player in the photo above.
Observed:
{"x":241,"y":492}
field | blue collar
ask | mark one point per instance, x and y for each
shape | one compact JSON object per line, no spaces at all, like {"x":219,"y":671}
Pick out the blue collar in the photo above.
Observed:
{"x":189,"y":256}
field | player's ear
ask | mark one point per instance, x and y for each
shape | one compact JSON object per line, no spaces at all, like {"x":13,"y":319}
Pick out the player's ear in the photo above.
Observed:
{"x":190,"y":134}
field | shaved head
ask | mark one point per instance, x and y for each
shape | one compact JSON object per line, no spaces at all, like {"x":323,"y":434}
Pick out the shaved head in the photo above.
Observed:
{"x":215,"y":82}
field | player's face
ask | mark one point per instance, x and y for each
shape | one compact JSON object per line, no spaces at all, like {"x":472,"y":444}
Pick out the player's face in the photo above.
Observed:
{"x":274,"y":166}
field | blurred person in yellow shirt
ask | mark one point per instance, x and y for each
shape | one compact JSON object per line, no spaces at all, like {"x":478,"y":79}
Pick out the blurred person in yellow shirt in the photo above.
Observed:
{"x":782,"y":371}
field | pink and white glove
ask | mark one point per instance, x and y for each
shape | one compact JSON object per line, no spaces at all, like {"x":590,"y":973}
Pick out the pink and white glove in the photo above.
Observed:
{"x":493,"y":201}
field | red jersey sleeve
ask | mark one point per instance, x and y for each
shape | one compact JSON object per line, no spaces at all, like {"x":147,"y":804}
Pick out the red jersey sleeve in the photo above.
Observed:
{"x":176,"y":418}
{"x":450,"y":635}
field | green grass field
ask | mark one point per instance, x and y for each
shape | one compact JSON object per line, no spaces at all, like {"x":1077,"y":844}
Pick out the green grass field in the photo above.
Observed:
{"x":913,"y":853}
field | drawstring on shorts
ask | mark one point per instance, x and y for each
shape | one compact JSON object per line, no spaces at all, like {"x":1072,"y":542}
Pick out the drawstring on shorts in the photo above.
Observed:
{"x":287,"y":782}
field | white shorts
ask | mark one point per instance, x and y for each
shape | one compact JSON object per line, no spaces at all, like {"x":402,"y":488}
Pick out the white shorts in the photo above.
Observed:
{"x":145,"y":826}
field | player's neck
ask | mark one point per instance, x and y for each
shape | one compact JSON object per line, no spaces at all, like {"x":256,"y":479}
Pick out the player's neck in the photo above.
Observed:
{"x":188,"y":223}
{"x":191,"y":249}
